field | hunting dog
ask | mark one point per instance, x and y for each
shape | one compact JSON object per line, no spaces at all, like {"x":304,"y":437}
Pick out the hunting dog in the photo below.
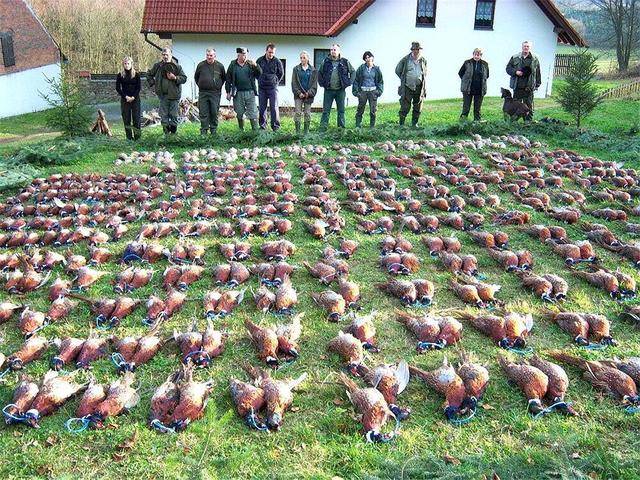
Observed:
{"x":514,"y":109}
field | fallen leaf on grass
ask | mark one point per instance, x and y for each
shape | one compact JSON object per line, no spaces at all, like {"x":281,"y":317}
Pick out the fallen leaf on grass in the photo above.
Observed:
{"x":51,"y":440}
{"x":295,"y":409}
{"x":125,"y":447}
{"x":575,"y":455}
{"x":486,"y":406}
{"x":338,"y":401}
{"x":451,"y":459}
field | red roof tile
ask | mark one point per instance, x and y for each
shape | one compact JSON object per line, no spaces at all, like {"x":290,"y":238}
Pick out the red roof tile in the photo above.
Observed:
{"x":284,"y":17}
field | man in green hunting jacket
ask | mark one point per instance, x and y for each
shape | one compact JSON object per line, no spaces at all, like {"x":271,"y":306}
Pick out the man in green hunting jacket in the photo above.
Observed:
{"x":412,"y":71}
{"x":242,"y":74}
{"x":167,"y":77}
{"x":210,"y":77}
{"x":524,"y":69}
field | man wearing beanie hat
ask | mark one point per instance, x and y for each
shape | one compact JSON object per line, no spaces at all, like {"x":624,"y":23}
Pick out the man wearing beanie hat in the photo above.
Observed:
{"x":412,"y":71}
{"x":241,"y":86}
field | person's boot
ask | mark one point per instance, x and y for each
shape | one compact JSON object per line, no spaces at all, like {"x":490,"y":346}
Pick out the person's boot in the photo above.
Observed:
{"x":307,"y":124}
{"x":372,"y":121}
{"x":241,"y":123}
{"x":297,"y":127}
{"x":401,"y":122}
{"x":165,"y":129}
{"x":414,"y":122}
{"x":203,"y":131}
{"x":214,"y":131}
{"x":173,"y":129}
{"x":358,"y":121}
{"x":254,"y":124}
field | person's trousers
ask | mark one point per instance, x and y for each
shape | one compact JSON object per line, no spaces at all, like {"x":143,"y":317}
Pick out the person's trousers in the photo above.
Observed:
{"x":271,"y":97}
{"x":466,"y":105}
{"x":168,"y":111}
{"x":208,"y":106}
{"x":244,"y":103}
{"x":329,"y":97}
{"x":302,"y":110}
{"x":406,"y":100}
{"x":363,"y":98}
{"x":525,"y":95}
{"x":131,"y":118}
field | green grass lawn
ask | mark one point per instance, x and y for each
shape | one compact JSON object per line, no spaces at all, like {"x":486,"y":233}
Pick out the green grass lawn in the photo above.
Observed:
{"x":320,"y":438}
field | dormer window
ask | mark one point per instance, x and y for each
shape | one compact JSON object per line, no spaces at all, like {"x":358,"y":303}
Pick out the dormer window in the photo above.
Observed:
{"x":485,"y":10}
{"x":426,"y":13}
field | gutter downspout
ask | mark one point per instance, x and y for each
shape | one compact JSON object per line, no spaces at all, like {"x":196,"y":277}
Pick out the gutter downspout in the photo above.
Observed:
{"x":155,"y":45}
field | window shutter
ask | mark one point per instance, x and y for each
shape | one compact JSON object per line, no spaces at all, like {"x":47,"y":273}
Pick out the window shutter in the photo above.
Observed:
{"x":7,"y":50}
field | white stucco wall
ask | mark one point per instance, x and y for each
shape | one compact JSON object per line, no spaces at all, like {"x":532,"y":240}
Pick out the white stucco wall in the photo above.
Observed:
{"x":19,"y":91}
{"x":387,"y":28}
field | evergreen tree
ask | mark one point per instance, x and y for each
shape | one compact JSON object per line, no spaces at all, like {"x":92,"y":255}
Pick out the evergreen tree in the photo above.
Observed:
{"x":69,"y":111}
{"x":578,"y":96}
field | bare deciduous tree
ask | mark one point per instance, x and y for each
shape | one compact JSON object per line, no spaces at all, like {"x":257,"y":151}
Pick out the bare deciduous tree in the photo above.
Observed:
{"x":624,"y":16}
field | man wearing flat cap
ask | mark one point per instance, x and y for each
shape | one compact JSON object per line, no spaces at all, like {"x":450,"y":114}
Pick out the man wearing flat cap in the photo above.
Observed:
{"x":241,"y":86}
{"x":412,"y":71}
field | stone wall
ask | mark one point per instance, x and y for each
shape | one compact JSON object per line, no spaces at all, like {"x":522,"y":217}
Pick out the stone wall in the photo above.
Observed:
{"x":101,"y":88}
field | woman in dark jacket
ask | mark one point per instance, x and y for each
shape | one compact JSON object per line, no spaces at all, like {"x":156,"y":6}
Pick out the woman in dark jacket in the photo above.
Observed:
{"x":473,"y":76}
{"x":367,"y":87}
{"x":128,"y":87}
{"x":304,"y":83}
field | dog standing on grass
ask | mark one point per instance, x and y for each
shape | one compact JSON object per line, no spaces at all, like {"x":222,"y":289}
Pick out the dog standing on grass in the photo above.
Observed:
{"x":514,"y":109}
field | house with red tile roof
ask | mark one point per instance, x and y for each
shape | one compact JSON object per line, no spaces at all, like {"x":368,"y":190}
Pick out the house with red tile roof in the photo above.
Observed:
{"x":27,"y":54}
{"x":448,"y":30}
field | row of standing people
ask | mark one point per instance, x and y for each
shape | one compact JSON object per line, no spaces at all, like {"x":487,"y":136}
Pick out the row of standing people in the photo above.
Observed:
{"x":244,"y":79}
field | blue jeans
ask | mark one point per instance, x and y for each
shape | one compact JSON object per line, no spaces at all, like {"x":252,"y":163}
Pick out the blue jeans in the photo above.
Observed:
{"x":329,"y":96}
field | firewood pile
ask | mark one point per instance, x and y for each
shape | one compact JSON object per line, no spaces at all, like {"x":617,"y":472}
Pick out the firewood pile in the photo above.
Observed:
{"x":187,"y":112}
{"x":101,"y":126}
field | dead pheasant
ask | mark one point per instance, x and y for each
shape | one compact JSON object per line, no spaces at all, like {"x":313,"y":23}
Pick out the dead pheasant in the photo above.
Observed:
{"x":278,"y":394}
{"x":54,"y":390}
{"x":350,"y":349}
{"x":369,"y":403}
{"x":446,"y":381}
{"x":586,"y":329}
{"x":432,"y":331}
{"x":332,"y":302}
{"x":100,"y":402}
{"x":603,"y":377}
{"x":509,"y":330}
{"x":363,"y":329}
{"x":390,"y":380}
